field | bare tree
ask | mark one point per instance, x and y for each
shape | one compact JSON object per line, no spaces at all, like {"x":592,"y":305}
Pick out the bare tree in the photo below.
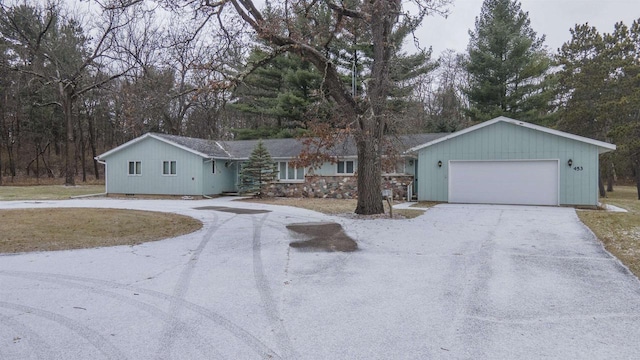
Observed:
{"x":442,"y":95}
{"x":67,"y":56}
{"x":310,"y":29}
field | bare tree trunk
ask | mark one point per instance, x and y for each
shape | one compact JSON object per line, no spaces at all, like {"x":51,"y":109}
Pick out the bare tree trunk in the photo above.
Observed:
{"x":12,"y":163}
{"x":37,"y":161}
{"x":610,"y":175}
{"x":81,"y":148}
{"x":67,"y":100}
{"x":372,"y":124}
{"x":636,"y":171}
{"x":40,"y":153}
{"x":2,"y":120}
{"x":369,"y":176}
{"x":16,"y":139}
{"x":92,"y":145}
{"x":601,"y":188}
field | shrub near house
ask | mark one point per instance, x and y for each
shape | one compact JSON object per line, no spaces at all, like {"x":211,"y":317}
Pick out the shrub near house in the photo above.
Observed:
{"x":258,"y":172}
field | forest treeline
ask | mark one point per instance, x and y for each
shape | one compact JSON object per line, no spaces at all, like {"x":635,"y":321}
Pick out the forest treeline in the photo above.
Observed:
{"x":77,"y":79}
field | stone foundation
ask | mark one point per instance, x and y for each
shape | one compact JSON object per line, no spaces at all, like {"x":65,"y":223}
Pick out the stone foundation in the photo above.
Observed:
{"x":397,"y":183}
{"x":336,"y":187}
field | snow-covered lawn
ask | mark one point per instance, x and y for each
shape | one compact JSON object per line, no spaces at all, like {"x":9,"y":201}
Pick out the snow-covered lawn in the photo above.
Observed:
{"x":460,"y":281}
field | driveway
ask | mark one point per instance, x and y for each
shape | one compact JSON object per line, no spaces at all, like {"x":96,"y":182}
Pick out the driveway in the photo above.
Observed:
{"x":459,"y":282}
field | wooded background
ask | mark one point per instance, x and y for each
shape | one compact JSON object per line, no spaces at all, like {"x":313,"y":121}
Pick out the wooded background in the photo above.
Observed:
{"x":77,"y":79}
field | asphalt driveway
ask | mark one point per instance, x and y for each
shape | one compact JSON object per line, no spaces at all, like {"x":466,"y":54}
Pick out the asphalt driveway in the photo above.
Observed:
{"x":459,"y":282}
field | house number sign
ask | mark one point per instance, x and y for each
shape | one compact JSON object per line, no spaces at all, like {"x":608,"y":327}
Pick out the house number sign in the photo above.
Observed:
{"x":578,"y":168}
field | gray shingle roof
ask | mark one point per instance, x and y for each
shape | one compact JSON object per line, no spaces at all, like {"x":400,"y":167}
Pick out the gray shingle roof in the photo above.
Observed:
{"x":278,"y":148}
{"x":285,"y":148}
{"x":207,"y":147}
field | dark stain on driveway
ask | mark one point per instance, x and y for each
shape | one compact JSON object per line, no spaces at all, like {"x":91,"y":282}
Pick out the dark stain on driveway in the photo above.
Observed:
{"x":322,"y":236}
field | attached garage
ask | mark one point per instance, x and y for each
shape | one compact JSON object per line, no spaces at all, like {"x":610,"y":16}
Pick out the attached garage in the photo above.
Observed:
{"x":526,"y":182}
{"x":506,"y":161}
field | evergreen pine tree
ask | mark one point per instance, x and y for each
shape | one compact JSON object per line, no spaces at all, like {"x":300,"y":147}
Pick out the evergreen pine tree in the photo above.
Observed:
{"x":599,"y":94}
{"x":259,"y":171}
{"x":277,"y":96}
{"x":506,"y":65}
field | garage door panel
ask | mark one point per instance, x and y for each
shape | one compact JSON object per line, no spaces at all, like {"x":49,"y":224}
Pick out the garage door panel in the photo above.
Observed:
{"x":504,"y":182}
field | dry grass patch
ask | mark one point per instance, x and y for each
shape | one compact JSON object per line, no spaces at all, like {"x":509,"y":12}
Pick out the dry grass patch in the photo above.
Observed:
{"x":325,"y":206}
{"x":331,"y":206}
{"x":78,"y":228}
{"x":47,"y":192}
{"x":620,"y":232}
{"x":33,"y":181}
{"x":426,"y":204}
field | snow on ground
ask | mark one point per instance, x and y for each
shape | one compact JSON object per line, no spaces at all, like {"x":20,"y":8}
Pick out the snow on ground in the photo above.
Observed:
{"x":612,"y":208}
{"x":459,"y":282}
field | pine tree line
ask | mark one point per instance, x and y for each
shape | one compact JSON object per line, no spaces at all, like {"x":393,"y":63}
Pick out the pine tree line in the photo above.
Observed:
{"x":66,"y":98}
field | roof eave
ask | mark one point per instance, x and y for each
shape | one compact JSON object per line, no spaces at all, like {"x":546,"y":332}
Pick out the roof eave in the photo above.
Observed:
{"x":603,"y":150}
{"x":602,"y":146}
{"x":159,"y":138}
{"x":122,"y":146}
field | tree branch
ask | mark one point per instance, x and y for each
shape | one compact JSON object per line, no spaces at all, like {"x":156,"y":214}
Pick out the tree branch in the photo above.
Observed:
{"x":342,"y":10}
{"x":102,"y":82}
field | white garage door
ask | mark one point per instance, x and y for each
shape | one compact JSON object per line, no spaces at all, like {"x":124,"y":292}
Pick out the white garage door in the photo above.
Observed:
{"x":522,"y":182}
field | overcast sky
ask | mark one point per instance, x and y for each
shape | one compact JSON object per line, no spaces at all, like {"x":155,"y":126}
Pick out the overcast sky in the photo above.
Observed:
{"x":552,"y":18}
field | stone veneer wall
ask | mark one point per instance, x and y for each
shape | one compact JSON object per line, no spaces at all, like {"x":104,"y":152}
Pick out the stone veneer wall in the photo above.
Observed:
{"x":337,"y":187}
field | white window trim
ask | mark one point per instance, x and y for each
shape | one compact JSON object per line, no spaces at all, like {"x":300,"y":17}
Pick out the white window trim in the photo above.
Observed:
{"x":345,"y":168}
{"x":134,"y":167}
{"x":170,"y":161}
{"x":286,"y":180}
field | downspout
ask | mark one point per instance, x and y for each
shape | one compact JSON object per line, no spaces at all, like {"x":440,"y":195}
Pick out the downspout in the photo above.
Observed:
{"x":106,"y":178}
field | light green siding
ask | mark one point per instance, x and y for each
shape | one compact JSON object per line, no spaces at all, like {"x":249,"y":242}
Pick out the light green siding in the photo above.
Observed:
{"x":223,"y":180}
{"x":409,"y":166}
{"x":151,"y":153}
{"x":331,"y":169}
{"x":506,"y":141}
{"x":228,"y":182}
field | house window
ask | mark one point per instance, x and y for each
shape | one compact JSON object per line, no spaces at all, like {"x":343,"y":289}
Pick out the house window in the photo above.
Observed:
{"x":168,"y":168}
{"x":345,"y":167}
{"x":213,"y":166}
{"x":286,"y":172}
{"x":135,"y":168}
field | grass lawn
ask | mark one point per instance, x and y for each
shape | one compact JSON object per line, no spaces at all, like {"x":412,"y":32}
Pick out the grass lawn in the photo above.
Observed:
{"x":332,"y":206}
{"x":78,"y":228}
{"x":60,"y":229}
{"x":47,"y":192}
{"x":620,"y":232}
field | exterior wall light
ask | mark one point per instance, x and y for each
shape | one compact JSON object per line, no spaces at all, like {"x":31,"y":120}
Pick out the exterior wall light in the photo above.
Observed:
{"x":439,"y":163}
{"x":570,"y":162}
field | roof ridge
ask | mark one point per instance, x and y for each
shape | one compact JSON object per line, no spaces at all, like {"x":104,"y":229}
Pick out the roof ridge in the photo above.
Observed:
{"x":222,"y":148}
